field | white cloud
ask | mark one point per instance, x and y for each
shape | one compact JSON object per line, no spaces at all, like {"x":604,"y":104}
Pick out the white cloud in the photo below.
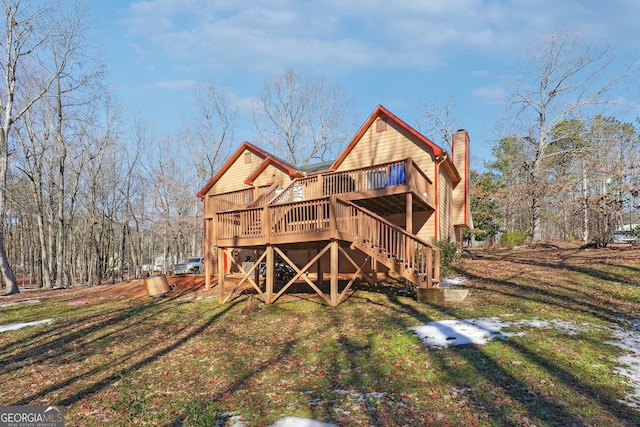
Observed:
{"x":350,"y":34}
{"x":491,"y":94}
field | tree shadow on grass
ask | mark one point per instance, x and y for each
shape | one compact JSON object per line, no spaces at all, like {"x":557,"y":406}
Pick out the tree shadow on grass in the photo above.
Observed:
{"x":544,"y":409}
{"x":54,"y":342}
{"x":60,"y":344}
{"x":537,"y":294}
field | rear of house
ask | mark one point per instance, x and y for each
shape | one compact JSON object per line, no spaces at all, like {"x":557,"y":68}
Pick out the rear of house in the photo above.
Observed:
{"x":376,"y":209}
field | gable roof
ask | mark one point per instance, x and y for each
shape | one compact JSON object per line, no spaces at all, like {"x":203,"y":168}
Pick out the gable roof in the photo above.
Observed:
{"x":271,"y":160}
{"x":383,"y":113}
{"x":266,"y":159}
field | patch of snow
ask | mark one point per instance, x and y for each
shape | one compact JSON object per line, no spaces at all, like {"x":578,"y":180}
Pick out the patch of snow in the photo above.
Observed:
{"x":28,"y":301}
{"x":300,"y":422}
{"x":629,"y":341}
{"x":458,"y":332}
{"x":16,"y":326}
{"x":452,"y":281}
{"x":478,"y":331}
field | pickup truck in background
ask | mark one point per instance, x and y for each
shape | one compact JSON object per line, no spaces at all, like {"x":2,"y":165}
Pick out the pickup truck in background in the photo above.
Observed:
{"x":193,"y":265}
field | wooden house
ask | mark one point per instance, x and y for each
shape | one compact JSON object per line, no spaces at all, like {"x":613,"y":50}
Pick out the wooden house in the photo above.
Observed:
{"x":377,"y":209}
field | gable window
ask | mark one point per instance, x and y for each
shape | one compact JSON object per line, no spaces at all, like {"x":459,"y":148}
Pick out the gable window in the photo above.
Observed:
{"x":247,"y":158}
{"x":381,"y":125}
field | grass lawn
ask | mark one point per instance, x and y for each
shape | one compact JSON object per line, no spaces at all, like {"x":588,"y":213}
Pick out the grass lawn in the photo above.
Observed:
{"x":186,"y":360}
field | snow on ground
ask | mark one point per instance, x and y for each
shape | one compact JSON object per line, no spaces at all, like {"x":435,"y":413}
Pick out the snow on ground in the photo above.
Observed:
{"x":452,"y":281}
{"x":300,"y":422}
{"x":16,"y":326}
{"x":28,"y":301}
{"x":629,"y":341}
{"x":478,"y":331}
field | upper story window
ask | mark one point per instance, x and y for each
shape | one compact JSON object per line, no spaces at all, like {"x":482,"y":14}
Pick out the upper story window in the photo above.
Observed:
{"x":381,"y":125}
{"x":247,"y":158}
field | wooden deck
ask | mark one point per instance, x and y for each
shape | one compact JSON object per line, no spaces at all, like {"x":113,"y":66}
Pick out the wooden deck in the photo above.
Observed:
{"x":333,"y":212}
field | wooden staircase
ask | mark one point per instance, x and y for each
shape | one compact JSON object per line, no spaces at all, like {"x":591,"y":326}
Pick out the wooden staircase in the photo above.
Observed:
{"x":400,"y":251}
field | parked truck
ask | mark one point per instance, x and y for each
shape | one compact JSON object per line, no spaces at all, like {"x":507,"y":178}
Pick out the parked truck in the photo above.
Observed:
{"x":192,"y":265}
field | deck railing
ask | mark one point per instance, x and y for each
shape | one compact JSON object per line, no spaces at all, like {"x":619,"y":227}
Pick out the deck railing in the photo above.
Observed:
{"x":330,"y":217}
{"x":324,"y":184}
{"x":265,"y":197}
{"x":300,"y":218}
{"x":241,"y":224}
{"x":357,"y":180}
{"x":234,"y":200}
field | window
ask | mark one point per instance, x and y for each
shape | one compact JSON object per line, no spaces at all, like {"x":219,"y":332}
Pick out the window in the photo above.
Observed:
{"x":247,"y":158}
{"x":381,"y":125}
{"x":248,"y":196}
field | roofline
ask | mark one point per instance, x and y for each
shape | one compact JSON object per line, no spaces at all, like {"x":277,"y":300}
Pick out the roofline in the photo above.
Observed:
{"x":263,"y":165}
{"x":228,"y":163}
{"x":380,"y":111}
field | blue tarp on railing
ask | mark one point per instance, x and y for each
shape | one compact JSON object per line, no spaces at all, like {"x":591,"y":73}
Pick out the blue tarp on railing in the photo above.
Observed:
{"x":397,"y":175}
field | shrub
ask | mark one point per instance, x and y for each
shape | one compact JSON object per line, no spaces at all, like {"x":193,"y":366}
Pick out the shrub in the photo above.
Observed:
{"x":449,"y":256}
{"x":513,"y":238}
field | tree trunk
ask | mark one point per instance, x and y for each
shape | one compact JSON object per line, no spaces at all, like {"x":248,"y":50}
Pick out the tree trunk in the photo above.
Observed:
{"x":585,"y":207}
{"x":46,"y":274}
{"x":60,"y":241}
{"x":7,"y":273}
{"x":536,"y":224}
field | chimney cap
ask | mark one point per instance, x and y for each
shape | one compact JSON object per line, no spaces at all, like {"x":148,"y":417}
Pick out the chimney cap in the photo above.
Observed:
{"x":461,"y":130}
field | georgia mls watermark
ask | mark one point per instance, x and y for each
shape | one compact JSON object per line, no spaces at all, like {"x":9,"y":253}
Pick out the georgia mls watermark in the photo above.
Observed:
{"x":31,"y":416}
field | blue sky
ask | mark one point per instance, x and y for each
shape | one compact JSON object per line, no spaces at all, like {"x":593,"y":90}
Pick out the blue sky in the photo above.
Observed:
{"x":398,"y":54}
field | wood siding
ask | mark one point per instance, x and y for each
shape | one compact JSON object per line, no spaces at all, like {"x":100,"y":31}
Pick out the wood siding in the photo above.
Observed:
{"x":396,"y":143}
{"x":272,"y":174}
{"x":237,"y":173}
{"x":390,"y":145}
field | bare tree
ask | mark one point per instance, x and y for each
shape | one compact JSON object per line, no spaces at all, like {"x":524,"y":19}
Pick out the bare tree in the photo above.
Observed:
{"x":209,"y":136}
{"x":563,"y":77}
{"x":439,"y":119}
{"x":25,"y":32}
{"x":208,"y":139}
{"x":301,"y":118}
{"x":38,"y":42}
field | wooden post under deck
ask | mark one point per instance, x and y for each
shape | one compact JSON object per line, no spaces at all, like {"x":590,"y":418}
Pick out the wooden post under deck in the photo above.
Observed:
{"x":270,"y":274}
{"x":220,"y":256}
{"x":334,"y":272}
{"x":207,"y":253}
{"x":408,"y":224}
{"x":409,"y":213}
{"x":319,"y":272}
{"x":256,"y":272}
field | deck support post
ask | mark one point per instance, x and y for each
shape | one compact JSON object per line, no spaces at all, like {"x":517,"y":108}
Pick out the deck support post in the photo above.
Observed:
{"x":408,"y":226}
{"x":334,"y":272}
{"x":319,"y":272}
{"x":221,"y":273}
{"x":207,"y":253}
{"x":270,"y":274}
{"x":256,"y":272}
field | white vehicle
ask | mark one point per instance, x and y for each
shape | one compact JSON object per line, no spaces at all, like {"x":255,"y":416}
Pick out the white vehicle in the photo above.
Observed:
{"x":624,"y":236}
{"x":193,"y":265}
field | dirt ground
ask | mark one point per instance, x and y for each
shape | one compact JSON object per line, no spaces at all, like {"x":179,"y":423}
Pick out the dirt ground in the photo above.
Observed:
{"x":108,"y":292}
